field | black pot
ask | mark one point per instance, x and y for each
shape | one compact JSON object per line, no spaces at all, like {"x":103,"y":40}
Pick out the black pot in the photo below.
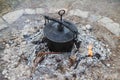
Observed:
{"x":60,"y":47}
{"x":61,"y":34}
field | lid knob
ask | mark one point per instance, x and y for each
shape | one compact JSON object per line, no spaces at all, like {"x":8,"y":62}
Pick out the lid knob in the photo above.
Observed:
{"x":61,"y":13}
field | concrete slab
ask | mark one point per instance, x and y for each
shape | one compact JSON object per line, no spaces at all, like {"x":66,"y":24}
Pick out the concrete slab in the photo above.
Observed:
{"x":29,"y":11}
{"x":114,"y":28}
{"x":13,"y":16}
{"x":110,"y":25}
{"x":55,"y":10}
{"x":80,"y":13}
{"x":39,"y":10}
{"x":2,"y":24}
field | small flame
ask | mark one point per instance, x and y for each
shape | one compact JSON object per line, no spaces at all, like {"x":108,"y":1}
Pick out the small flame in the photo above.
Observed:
{"x":90,"y":52}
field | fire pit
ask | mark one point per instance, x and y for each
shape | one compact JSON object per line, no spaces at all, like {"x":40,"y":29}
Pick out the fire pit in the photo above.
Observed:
{"x":25,"y":60}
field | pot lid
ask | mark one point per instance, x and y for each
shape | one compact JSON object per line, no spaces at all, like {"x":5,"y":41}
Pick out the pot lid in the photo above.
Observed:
{"x":59,"y":31}
{"x":53,"y":33}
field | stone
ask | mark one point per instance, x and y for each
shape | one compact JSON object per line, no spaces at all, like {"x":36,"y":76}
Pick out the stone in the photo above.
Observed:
{"x":13,"y":16}
{"x":3,"y":26}
{"x":24,"y":43}
{"x":7,"y":45}
{"x":84,"y":28}
{"x":29,"y":11}
{"x":80,"y":13}
{"x":119,"y":46}
{"x":1,"y":21}
{"x":110,"y":25}
{"x":40,"y":11}
{"x":6,"y":58}
{"x":114,"y":28}
{"x":27,"y":21}
{"x":89,"y":27}
{"x":2,"y":46}
{"x":94,"y":18}
{"x":55,"y":10}
{"x":105,"y":20}
{"x":108,"y":65}
{"x":4,"y":71}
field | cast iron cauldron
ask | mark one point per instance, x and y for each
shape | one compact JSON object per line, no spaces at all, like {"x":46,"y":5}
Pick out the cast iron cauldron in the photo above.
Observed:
{"x":60,"y":34}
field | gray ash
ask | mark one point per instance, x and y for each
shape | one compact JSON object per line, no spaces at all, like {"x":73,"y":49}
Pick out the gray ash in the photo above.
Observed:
{"x":54,"y":66}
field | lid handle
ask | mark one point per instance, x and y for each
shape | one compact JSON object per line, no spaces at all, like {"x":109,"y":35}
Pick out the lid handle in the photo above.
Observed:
{"x":61,"y":13}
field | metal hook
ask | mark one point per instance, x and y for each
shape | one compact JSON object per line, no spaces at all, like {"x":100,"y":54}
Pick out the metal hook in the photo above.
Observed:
{"x":46,"y":19}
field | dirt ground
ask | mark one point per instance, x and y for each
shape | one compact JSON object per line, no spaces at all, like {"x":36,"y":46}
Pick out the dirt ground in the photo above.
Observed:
{"x":109,"y":8}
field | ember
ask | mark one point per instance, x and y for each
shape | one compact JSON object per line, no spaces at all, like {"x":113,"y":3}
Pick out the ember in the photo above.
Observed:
{"x":90,"y":52}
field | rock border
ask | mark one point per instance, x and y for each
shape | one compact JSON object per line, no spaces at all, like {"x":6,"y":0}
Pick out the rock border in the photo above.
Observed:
{"x":101,"y":20}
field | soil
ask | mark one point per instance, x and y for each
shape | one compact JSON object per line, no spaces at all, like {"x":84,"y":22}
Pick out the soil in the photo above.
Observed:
{"x":109,"y":8}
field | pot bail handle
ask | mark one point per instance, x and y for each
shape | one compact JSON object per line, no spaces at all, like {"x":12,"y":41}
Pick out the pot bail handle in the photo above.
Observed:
{"x":61,"y":13}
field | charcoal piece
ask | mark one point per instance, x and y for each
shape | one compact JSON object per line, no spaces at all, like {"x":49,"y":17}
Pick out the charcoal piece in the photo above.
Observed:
{"x":74,"y":75}
{"x":58,"y":60}
{"x":78,"y":44}
{"x":44,"y":39}
{"x":98,"y":56}
{"x":36,"y":42}
{"x":26,"y":36}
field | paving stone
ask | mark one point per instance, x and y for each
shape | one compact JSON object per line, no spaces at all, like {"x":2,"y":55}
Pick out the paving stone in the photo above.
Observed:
{"x":88,"y":26}
{"x":2,"y":24}
{"x":110,"y":25}
{"x":94,"y":18}
{"x":40,"y":11}
{"x":29,"y":11}
{"x":80,"y":13}
{"x":105,"y":20}
{"x":114,"y":28}
{"x":1,"y":21}
{"x":55,"y":10}
{"x":13,"y":16}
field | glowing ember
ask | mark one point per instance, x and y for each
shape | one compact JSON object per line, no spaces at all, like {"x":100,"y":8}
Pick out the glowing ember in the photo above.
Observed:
{"x":90,"y":52}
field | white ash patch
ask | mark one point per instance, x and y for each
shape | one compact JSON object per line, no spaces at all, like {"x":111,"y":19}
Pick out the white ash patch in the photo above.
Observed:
{"x":20,"y":53}
{"x":29,"y":30}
